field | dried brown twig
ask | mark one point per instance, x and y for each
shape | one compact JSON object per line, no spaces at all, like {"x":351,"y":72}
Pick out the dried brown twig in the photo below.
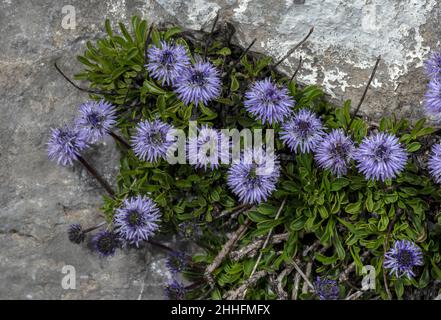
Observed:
{"x":290,"y":52}
{"x":251,"y":249}
{"x":225,"y":250}
{"x":365,"y":91}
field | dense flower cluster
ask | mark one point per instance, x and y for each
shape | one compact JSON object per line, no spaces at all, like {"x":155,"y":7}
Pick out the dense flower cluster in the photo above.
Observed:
{"x":267,"y":102}
{"x":96,"y":119}
{"x":402,"y":257}
{"x":302,"y":132}
{"x":66,"y":144}
{"x":434,"y":162}
{"x":167,"y":62}
{"x":334,"y":152}
{"x":254,"y":178}
{"x":433,"y":65}
{"x":381,"y":157}
{"x":432,"y":99}
{"x":136,"y":220}
{"x":198,"y":83}
{"x":152,"y":140}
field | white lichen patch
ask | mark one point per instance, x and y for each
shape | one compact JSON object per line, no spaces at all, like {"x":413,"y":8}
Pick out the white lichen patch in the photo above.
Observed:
{"x":357,"y":32}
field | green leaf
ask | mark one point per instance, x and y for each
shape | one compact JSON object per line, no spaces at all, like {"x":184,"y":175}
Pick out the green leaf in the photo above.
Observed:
{"x":414,"y":146}
{"x":266,"y":209}
{"x":172,"y":32}
{"x":234,"y":83}
{"x":108,"y":28}
{"x":216,"y":294}
{"x":153,"y":88}
{"x":256,"y":217}
{"x":369,"y":201}
{"x":339,"y":247}
{"x":399,"y":288}
{"x":353,"y":208}
{"x":339,"y":184}
{"x":323,"y":212}
{"x":324,"y":259}
{"x":391,"y":198}
{"x":436,"y":271}
{"x":224,"y":51}
{"x":125,"y":33}
{"x":383,"y":223}
{"x":298,"y":223}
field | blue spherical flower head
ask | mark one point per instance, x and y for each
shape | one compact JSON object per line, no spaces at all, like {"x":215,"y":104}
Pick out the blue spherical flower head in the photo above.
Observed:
{"x":334,"y":152}
{"x":137,"y":220}
{"x":167,"y":62}
{"x":432,"y":100}
{"x":381,"y":157}
{"x":326,"y":289}
{"x":198,"y":83}
{"x":433,"y":65}
{"x":175,"y":290}
{"x":402,"y":257}
{"x":105,"y":243}
{"x":254,"y":178}
{"x":302,"y":132}
{"x":96,"y":119}
{"x":65,"y":144}
{"x":209,"y":148}
{"x":152,"y":140}
{"x":434,"y":163}
{"x":267,"y":102}
{"x":177,"y":261}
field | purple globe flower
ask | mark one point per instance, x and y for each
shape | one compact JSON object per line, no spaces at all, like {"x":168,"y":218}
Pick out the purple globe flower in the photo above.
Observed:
{"x":334,"y":152}
{"x":105,"y":243}
{"x":175,"y":290}
{"x":76,"y":233}
{"x":432,"y":99}
{"x":402,"y":257}
{"x":65,"y":144}
{"x":326,"y":289}
{"x":267,"y":102}
{"x":209,"y":148}
{"x":177,"y":261}
{"x":433,"y":65}
{"x":168,"y":62}
{"x":434,"y":163}
{"x":152,"y":140}
{"x":302,"y":132}
{"x":137,"y":220}
{"x":381,"y":157}
{"x":254,"y":179}
{"x":96,"y":119}
{"x":198,"y":83}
